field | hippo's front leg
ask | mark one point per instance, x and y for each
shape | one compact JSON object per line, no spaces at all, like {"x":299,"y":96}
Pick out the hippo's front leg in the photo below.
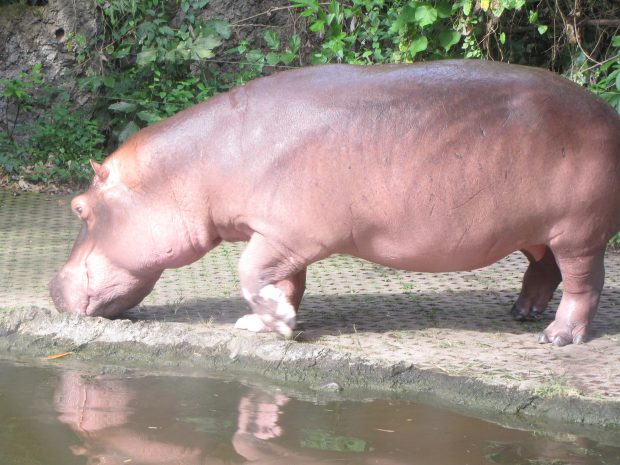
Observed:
{"x":273,"y":281}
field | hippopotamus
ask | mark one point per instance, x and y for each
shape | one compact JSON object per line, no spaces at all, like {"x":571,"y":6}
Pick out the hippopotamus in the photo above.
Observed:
{"x":431,"y":167}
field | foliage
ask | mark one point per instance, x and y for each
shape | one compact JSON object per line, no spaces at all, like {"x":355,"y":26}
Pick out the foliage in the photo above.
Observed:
{"x":605,"y":80}
{"x":377,"y":31}
{"x":19,"y":95}
{"x":142,"y":69}
{"x":55,"y":146}
{"x":533,"y":32}
{"x":255,"y":59}
{"x":153,"y":58}
{"x":61,"y":144}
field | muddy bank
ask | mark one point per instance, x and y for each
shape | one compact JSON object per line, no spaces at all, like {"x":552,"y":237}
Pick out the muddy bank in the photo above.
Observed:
{"x":36,"y":332}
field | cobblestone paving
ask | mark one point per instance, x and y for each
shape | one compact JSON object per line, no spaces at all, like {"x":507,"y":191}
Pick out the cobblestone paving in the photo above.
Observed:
{"x":457,"y":323}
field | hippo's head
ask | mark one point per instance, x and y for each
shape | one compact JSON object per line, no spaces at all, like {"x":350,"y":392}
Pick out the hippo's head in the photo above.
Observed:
{"x":129,"y":235}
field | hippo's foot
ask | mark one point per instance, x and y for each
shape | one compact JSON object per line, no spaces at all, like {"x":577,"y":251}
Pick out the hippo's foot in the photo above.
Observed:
{"x":539,"y":283}
{"x":583,"y":278}
{"x":561,"y":333}
{"x":256,"y":323}
{"x":273,"y":286}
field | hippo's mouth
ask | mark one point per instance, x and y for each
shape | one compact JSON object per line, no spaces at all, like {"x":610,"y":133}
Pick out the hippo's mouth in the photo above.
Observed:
{"x":98,"y":295}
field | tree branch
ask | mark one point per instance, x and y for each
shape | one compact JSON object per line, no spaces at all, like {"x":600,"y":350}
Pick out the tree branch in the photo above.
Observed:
{"x":599,"y":22}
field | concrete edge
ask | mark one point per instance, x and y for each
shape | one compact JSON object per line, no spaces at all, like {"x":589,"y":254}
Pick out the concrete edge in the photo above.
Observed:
{"x":39,"y":332}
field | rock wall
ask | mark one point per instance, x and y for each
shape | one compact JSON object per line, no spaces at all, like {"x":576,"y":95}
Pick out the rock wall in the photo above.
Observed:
{"x":38,"y":34}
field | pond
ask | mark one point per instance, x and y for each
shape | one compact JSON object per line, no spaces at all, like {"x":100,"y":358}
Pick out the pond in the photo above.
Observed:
{"x":63,"y":416}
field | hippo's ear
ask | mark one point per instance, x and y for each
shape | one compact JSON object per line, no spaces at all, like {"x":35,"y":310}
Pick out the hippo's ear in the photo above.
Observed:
{"x":100,"y":170}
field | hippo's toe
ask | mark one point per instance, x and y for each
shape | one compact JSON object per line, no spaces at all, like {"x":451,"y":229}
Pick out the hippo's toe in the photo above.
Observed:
{"x":252,"y":322}
{"x":561,"y":340}
{"x":521,"y":313}
{"x":579,"y":339}
{"x":560,"y":334}
{"x":264,"y":324}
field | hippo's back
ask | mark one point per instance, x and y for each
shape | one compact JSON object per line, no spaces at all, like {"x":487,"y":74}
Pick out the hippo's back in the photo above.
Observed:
{"x":439,"y":166}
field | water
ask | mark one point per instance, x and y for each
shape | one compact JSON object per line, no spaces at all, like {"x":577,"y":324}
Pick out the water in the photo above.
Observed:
{"x":57,"y":416}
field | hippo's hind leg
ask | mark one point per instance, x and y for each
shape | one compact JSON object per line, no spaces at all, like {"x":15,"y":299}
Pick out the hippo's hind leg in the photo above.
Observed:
{"x":583,"y":278}
{"x":273,"y":283}
{"x":539,"y":283}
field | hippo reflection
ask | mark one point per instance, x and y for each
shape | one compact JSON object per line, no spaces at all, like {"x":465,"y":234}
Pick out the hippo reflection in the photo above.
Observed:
{"x":101,"y":412}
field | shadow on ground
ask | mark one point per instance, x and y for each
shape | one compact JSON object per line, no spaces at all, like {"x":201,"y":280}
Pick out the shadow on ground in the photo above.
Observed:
{"x":320,"y":315}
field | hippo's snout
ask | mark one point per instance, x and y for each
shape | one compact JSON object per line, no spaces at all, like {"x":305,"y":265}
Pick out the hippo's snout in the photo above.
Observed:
{"x":65,"y":293}
{"x":119,"y":290}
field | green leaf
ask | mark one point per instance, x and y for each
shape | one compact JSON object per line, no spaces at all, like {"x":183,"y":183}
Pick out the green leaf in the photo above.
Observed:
{"x":542,"y":29}
{"x":287,"y":57}
{"x":198,"y":4}
{"x":124,"y":107}
{"x":109,"y":81}
{"x":418,"y":45}
{"x":148,"y":117}
{"x":146,"y":56}
{"x":122,"y":52}
{"x":272,"y":39}
{"x":502,"y":38}
{"x":615,"y":41}
{"x":220,"y":27}
{"x":182,"y":51}
{"x":618,"y":81}
{"x":533,"y":17}
{"x":406,"y":16}
{"x":273,"y":58}
{"x":447,"y":38}
{"x":294,"y":43}
{"x":310,"y":5}
{"x":467,"y":7}
{"x":129,"y":129}
{"x":203,"y":46}
{"x":171,"y":55}
{"x":317,"y":26}
{"x":485,"y":5}
{"x":444,"y":9}
{"x":425,"y":15}
{"x":254,"y":56}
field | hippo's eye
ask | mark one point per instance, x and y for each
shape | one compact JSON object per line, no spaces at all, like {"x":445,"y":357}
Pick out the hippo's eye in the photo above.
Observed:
{"x":80,"y":211}
{"x":79,"y":206}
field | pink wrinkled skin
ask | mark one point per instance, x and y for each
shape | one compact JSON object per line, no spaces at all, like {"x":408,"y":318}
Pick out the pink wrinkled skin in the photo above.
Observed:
{"x":434,"y":167}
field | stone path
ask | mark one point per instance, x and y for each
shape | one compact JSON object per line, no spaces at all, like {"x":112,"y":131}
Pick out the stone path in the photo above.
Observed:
{"x":457,"y":323}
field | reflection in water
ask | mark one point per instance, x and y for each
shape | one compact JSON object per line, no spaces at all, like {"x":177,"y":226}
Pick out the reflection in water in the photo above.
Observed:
{"x":111,"y":419}
{"x":100,"y":411}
